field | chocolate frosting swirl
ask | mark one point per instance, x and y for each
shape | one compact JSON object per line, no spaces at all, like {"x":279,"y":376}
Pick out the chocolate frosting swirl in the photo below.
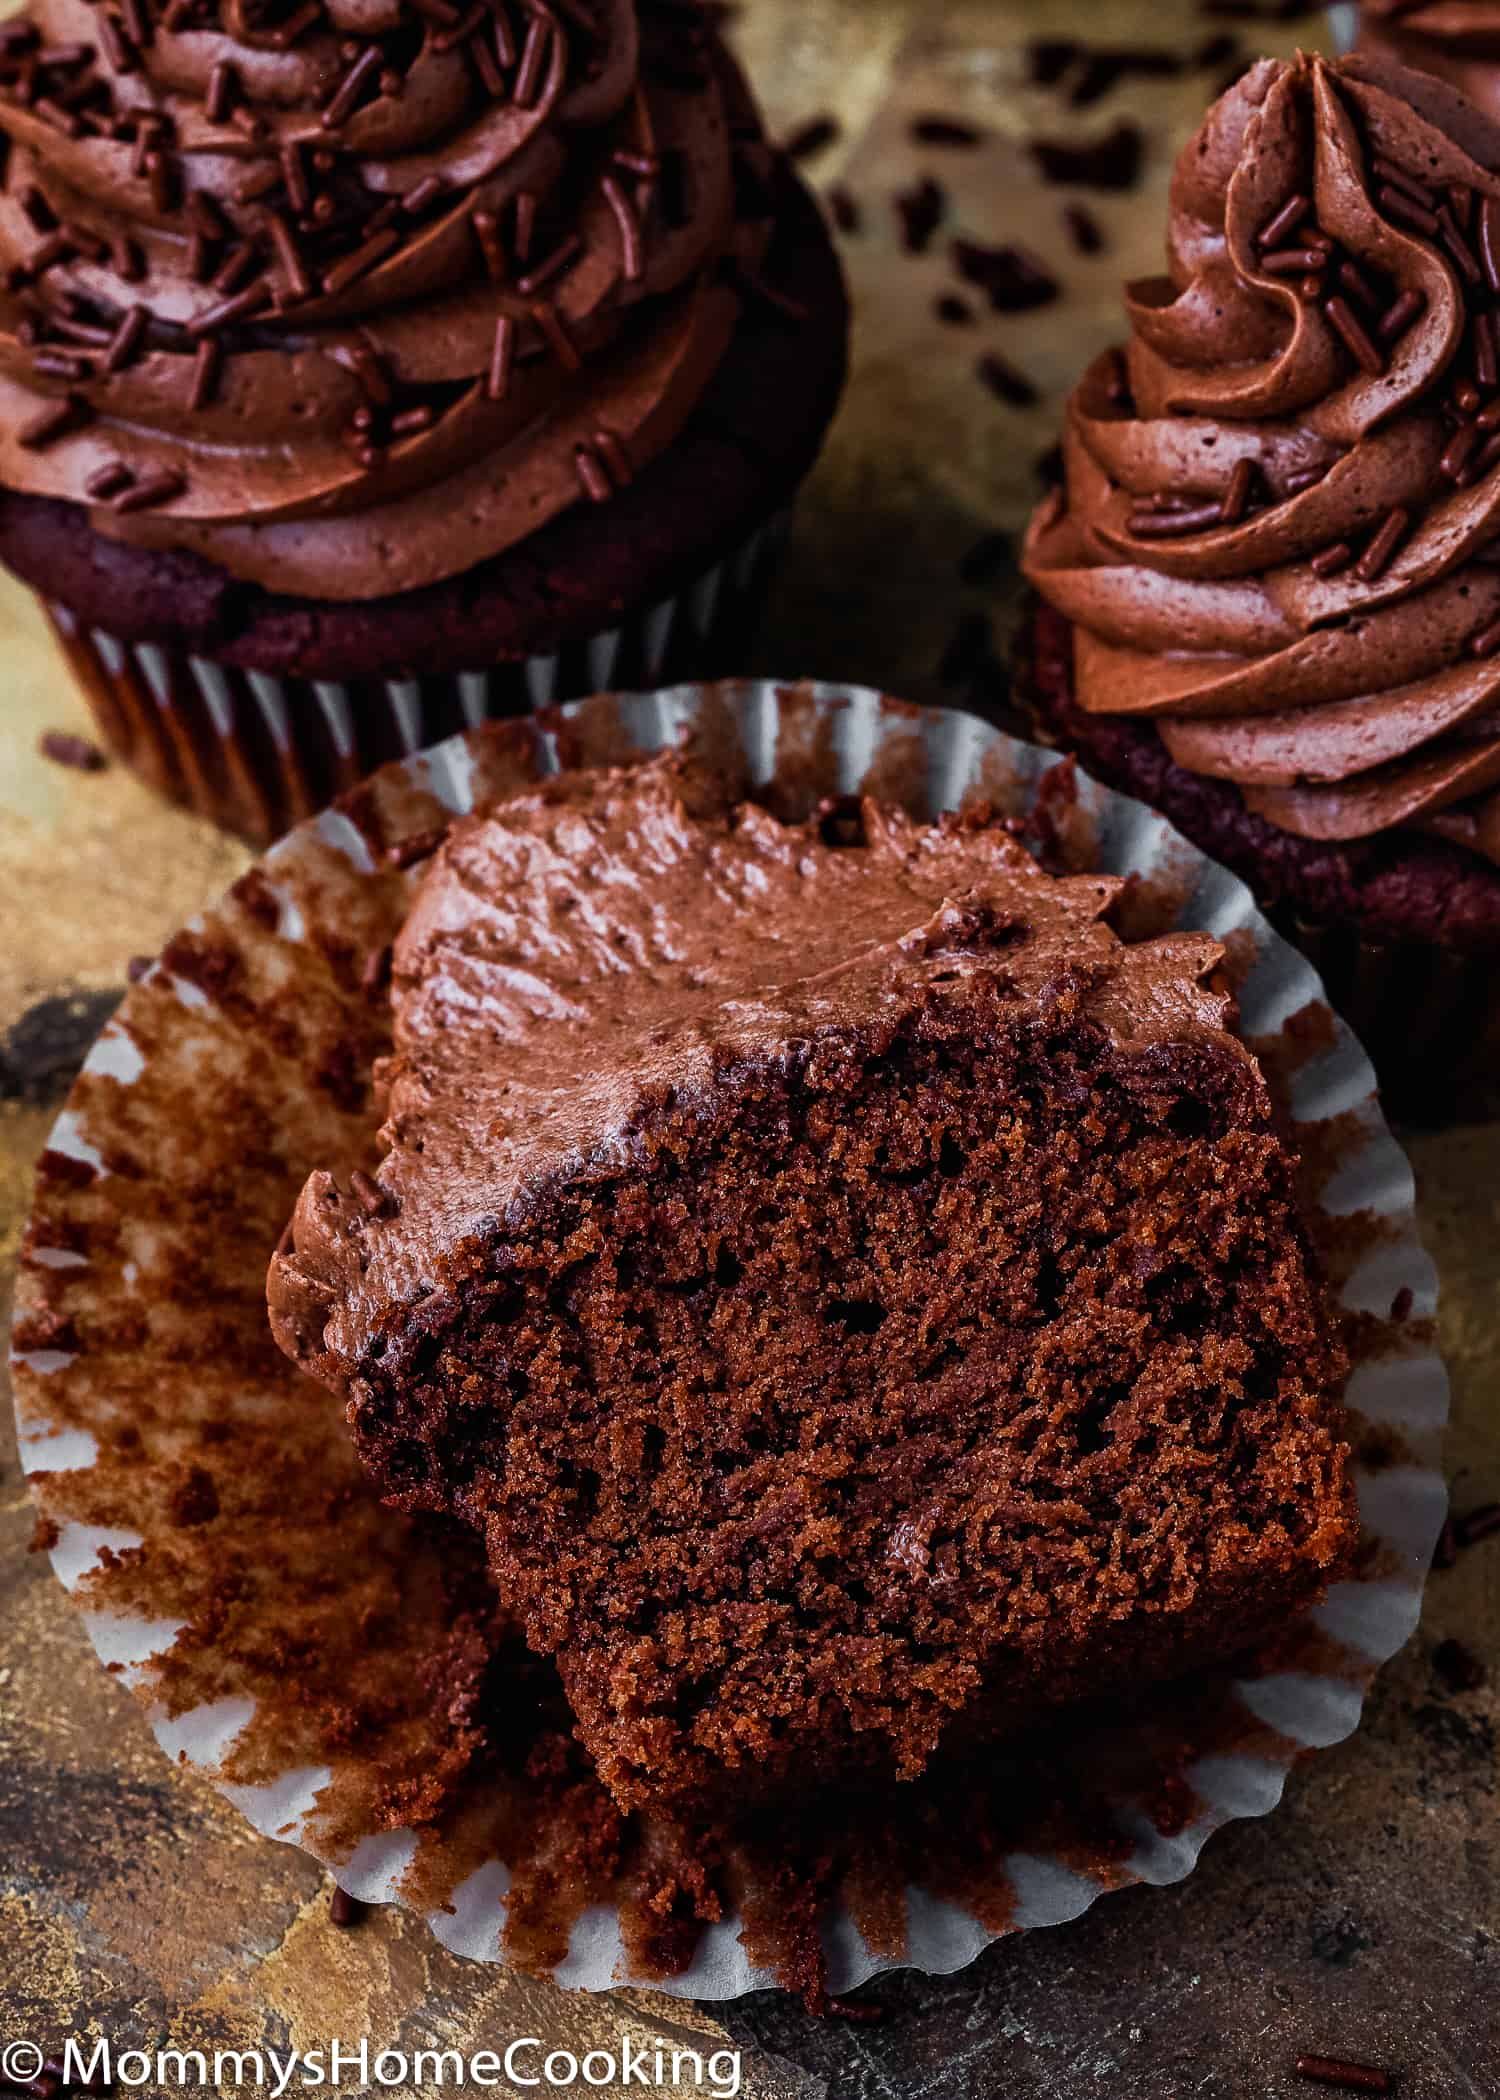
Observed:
{"x":1458,"y":40}
{"x":347,"y":295}
{"x":1277,"y":535}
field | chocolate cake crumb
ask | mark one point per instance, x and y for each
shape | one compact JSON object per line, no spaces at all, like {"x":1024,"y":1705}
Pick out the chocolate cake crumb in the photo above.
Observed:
{"x":345,"y":1910}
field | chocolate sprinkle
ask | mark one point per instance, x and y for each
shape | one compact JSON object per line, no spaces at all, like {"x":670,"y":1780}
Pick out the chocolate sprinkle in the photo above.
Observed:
{"x":944,"y":131}
{"x":1110,"y":163}
{"x":345,"y":1910}
{"x":502,"y":359}
{"x":1012,"y":278}
{"x":63,"y":748}
{"x":1087,"y":233}
{"x":920,"y":211}
{"x":811,"y":138}
{"x":156,"y":489}
{"x":1005,"y":382}
{"x":1348,"y":2077}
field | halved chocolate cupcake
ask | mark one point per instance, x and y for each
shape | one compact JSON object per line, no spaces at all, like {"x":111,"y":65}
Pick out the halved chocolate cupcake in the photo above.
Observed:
{"x":860,"y":1298}
{"x":367,"y":370}
{"x":1271,"y":583}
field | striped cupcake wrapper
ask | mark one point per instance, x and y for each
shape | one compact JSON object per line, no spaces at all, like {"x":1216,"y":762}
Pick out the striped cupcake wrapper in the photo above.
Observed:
{"x":258,"y":753}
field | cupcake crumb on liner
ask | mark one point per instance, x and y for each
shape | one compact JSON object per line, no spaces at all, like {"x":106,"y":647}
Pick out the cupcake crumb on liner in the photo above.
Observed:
{"x":343,"y":1674}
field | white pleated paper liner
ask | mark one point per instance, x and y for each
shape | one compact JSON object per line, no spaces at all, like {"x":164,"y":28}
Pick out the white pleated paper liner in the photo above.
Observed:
{"x":257,"y":752}
{"x":106,"y":1244}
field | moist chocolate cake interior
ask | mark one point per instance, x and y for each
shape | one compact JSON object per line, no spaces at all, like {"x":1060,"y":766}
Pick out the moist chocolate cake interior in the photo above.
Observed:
{"x":930,"y":1341}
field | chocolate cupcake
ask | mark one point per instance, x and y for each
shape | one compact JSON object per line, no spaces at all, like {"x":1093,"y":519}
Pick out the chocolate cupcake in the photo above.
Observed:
{"x":1458,"y":40}
{"x":1270,"y":585}
{"x":369,"y":369}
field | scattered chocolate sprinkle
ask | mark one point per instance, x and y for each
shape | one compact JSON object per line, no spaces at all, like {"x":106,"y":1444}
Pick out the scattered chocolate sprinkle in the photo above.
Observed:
{"x":533,"y":56}
{"x":127,"y":259}
{"x":369,"y":1195}
{"x":1481,"y":1523}
{"x":155,"y":489}
{"x":372,"y":374}
{"x":1110,"y":163}
{"x":1291,"y":262}
{"x":56,"y":420}
{"x":944,"y":131}
{"x":559,"y":341}
{"x":223,"y":88}
{"x":1406,"y":211}
{"x":289,"y":255}
{"x":240,"y":264}
{"x":1459,"y":1667}
{"x":1486,"y":351}
{"x":552,"y":266}
{"x":592,"y":476}
{"x":1359,"y":287}
{"x":424,"y":196}
{"x":1489,"y":241}
{"x":1348,"y":2077}
{"x":951,"y":309}
{"x":411,"y":420}
{"x":1005,"y":382}
{"x":1237,"y":495}
{"x":1458,"y":247}
{"x":920,"y":211}
{"x":1012,"y":278}
{"x":524,"y":226}
{"x":502,"y":359}
{"x":631,"y":251}
{"x":811,"y":138}
{"x":161,"y":176}
{"x":845,"y":209}
{"x":1459,"y":450}
{"x":1332,"y":561}
{"x":208,"y":361}
{"x":345,"y":1910}
{"x":125,"y":343}
{"x":1171,"y":524}
{"x":1087,"y":233}
{"x":1381,"y":551}
{"x":491,"y":245}
{"x":62,"y":364}
{"x":1347,"y":325}
{"x":351,"y":87}
{"x":108,"y":480}
{"x":238,"y":308}
{"x":1399,"y":316}
{"x":66,"y":749}
{"x":360,"y":261}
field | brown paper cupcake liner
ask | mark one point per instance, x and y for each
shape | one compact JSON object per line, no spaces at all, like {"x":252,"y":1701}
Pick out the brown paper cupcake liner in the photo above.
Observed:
{"x":258,"y":753}
{"x":327,"y":1661}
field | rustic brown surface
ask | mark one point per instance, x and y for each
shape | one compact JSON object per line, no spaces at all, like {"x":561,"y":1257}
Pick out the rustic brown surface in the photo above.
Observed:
{"x":1363,"y":1918}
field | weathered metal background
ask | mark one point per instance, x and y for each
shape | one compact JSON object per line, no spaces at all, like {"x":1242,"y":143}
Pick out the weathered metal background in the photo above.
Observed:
{"x":1363,"y":1919}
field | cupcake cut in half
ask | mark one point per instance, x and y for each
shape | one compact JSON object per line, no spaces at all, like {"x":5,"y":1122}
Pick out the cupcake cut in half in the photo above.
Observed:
{"x":1271,"y":587}
{"x":861,"y":1300}
{"x":364,"y":370}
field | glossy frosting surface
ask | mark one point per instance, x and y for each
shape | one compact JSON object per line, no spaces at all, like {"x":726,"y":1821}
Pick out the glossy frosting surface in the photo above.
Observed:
{"x":349,"y":296}
{"x":1277,"y":534}
{"x":575,"y":954}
